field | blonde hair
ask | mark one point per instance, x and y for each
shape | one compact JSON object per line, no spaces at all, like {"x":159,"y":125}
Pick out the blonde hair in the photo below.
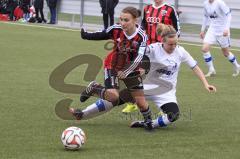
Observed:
{"x":166,"y":31}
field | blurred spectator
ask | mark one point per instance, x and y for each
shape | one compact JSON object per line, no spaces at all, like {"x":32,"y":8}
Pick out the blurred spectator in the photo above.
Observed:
{"x":38,"y":5}
{"x":32,"y":11}
{"x":3,"y":6}
{"x":25,"y":5}
{"x":11,"y":5}
{"x":108,"y":11}
{"x":18,"y":14}
{"x":4,"y":14}
{"x":52,"y":4}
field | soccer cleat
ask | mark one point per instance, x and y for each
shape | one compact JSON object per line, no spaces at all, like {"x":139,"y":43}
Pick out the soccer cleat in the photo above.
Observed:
{"x":130,"y":108}
{"x":236,"y":71}
{"x":148,"y":124}
{"x":137,"y":124}
{"x":88,"y":91}
{"x":77,"y":113}
{"x":210,"y":73}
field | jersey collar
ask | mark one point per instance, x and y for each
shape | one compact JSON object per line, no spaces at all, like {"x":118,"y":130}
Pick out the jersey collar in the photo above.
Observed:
{"x":158,"y":6}
{"x":134,"y":34}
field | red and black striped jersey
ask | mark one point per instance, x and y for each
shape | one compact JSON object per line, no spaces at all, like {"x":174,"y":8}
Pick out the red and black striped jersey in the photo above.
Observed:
{"x":127,"y":52}
{"x":152,"y":15}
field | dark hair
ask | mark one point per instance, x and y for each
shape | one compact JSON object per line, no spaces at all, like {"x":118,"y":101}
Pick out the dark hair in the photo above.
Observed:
{"x":133,"y":11}
{"x":166,"y":31}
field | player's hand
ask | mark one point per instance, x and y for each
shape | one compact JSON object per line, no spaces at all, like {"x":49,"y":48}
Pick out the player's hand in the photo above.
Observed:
{"x":83,"y":33}
{"x":225,"y":33}
{"x":121,"y":75}
{"x":202,"y":34}
{"x":211,"y":88}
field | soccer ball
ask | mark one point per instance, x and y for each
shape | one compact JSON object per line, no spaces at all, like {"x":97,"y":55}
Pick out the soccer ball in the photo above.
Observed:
{"x":73,"y":138}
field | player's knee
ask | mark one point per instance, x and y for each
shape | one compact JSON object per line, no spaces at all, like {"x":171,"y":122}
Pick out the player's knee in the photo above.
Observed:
{"x":142,"y":104}
{"x":125,"y":96}
{"x":112,"y":95}
{"x":225,"y":52}
{"x":172,"y":111}
{"x":205,"y":48}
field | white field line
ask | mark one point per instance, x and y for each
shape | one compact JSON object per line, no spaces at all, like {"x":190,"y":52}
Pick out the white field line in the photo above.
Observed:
{"x":41,"y":26}
{"x":216,"y":47}
{"x":77,"y":30}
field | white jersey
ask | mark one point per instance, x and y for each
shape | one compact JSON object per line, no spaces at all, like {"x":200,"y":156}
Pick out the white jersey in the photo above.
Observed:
{"x":161,"y":81}
{"x":218,"y":14}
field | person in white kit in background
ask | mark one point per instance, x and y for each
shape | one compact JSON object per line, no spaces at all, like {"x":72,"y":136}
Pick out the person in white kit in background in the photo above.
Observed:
{"x":160,"y":83}
{"x":218,"y":15}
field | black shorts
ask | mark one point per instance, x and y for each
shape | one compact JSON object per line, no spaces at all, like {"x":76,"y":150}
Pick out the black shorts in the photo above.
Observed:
{"x":132,"y":82}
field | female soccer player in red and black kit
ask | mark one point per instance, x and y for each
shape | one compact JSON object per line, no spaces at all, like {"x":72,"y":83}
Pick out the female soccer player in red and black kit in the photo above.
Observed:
{"x":122,"y":63}
{"x":156,"y":13}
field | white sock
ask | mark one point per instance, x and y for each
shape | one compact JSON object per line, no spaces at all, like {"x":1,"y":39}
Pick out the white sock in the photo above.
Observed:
{"x":96,"y":109}
{"x":233,"y":59}
{"x":161,"y":121}
{"x":208,"y":60}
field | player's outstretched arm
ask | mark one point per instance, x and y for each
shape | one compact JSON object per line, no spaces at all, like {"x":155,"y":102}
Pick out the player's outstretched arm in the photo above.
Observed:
{"x":101,"y":35}
{"x":198,"y":72}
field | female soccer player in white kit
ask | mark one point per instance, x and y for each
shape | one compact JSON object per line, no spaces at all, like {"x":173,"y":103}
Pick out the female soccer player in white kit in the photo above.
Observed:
{"x":160,"y":83}
{"x":219,"y":15}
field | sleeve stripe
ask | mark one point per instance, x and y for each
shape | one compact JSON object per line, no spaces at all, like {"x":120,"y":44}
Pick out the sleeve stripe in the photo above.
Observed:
{"x":134,"y":65}
{"x":144,"y":36}
{"x":139,"y":57}
{"x":194,"y":65}
{"x":112,"y":27}
{"x":142,"y":33}
{"x":178,"y":24}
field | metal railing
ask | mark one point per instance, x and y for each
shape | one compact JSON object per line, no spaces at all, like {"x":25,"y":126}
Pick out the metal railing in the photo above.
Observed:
{"x":191,"y":13}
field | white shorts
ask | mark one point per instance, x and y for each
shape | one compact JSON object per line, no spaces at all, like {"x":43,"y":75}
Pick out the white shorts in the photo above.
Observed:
{"x":160,"y":100}
{"x":212,"y":38}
